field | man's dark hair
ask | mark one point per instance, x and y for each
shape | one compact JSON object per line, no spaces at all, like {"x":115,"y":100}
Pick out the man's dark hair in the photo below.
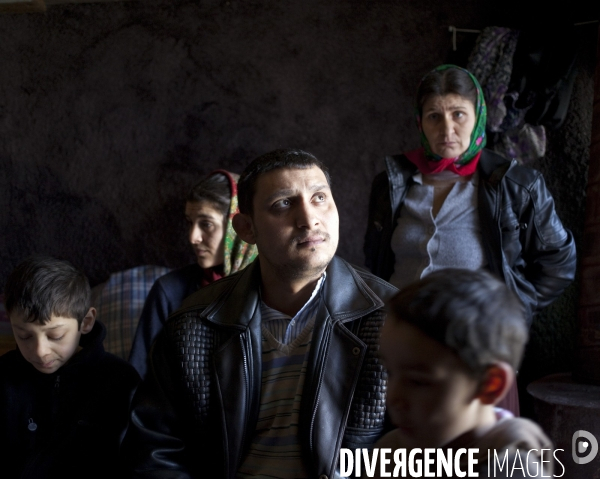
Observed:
{"x":447,"y":82}
{"x":214,"y":189}
{"x":284,"y":158}
{"x":42,"y":287}
{"x":471,"y":312}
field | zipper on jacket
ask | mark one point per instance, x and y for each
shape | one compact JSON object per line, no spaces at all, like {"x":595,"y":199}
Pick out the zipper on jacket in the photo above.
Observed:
{"x":498,"y":207}
{"x":317,"y":384}
{"x":246,"y":347}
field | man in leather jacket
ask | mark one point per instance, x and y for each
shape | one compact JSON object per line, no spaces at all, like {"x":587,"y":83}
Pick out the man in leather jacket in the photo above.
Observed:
{"x":524,"y":240}
{"x":204,"y":408}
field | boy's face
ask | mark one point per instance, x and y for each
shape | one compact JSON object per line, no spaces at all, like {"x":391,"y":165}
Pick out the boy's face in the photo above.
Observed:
{"x":431,"y":393}
{"x":49,"y":346}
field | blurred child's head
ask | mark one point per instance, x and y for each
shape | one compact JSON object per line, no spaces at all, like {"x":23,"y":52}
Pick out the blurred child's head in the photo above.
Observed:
{"x":450,"y":345}
{"x":48,"y":304}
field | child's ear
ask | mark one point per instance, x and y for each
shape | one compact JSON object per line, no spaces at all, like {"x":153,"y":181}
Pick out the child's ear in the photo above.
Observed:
{"x":496,"y":381}
{"x":88,"y":321}
{"x":244,"y":227}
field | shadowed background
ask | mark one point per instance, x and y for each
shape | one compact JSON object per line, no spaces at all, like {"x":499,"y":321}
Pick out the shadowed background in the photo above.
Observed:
{"x":110,"y":112}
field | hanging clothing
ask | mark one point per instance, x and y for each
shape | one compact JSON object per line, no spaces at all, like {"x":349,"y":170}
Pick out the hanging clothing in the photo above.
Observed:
{"x":544,"y":71}
{"x":492,"y":62}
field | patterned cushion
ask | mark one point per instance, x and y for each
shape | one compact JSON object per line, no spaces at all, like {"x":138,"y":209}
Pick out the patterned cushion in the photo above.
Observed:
{"x":119,"y":304}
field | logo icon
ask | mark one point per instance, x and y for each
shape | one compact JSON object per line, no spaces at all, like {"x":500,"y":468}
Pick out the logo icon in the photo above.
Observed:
{"x":584,"y":443}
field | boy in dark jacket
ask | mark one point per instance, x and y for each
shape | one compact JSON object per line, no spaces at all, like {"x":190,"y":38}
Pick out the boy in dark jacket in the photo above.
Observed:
{"x":64,"y":401}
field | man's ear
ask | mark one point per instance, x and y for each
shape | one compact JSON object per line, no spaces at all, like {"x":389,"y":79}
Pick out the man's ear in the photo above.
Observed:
{"x":244,"y":227}
{"x":88,"y":321}
{"x":497,"y":380}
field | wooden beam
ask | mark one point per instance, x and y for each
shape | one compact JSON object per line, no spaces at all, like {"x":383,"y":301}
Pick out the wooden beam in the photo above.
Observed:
{"x":23,"y":7}
{"x":61,"y":2}
{"x":32,"y":6}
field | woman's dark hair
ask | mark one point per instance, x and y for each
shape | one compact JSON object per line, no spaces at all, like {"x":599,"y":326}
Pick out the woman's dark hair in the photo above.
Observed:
{"x":215,"y":189}
{"x":42,"y":287}
{"x":447,"y":82}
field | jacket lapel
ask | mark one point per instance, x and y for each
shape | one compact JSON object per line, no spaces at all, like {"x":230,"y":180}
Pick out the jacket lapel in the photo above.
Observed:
{"x":238,"y":369}
{"x":399,"y":170}
{"x":334,"y":365}
{"x":237,"y":363}
{"x":345,"y":294}
{"x":238,"y":304}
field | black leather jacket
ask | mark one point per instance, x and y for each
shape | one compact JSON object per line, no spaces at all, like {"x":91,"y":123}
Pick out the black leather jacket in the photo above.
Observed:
{"x":196,"y":413}
{"x":524,"y":240}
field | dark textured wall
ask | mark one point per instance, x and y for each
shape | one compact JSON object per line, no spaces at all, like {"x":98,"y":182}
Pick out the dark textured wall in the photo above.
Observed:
{"x":110,"y":112}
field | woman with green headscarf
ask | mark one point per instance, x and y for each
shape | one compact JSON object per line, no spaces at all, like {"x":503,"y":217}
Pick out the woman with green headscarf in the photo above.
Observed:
{"x":209,"y":209}
{"x":452,"y":203}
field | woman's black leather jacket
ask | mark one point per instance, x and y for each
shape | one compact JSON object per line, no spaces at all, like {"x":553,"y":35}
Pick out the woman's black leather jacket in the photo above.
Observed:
{"x":525,"y":242}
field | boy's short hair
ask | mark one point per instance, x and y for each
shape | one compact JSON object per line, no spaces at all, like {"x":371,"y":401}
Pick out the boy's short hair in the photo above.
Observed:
{"x":471,"y":312}
{"x":42,"y":287}
{"x":283,"y":158}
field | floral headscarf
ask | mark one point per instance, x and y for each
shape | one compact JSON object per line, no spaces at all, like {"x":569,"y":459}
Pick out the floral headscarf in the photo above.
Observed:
{"x":478,"y":138}
{"x":237,"y":253}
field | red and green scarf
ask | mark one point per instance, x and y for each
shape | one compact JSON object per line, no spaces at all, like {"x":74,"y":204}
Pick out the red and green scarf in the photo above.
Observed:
{"x":465,"y":164}
{"x":237,"y":253}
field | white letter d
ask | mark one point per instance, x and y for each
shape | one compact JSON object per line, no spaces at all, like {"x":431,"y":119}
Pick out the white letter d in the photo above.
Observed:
{"x":346,"y":462}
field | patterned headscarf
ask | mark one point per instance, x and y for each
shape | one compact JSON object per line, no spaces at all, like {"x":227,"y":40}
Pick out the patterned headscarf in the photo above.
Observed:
{"x":237,"y":253}
{"x":478,"y":138}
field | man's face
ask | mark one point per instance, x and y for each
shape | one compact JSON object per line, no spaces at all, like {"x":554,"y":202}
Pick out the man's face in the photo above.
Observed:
{"x":431,"y":393}
{"x":295,"y":222}
{"x":46,"y":346}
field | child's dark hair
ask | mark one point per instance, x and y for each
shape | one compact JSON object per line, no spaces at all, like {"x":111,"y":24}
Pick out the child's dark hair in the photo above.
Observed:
{"x":283,"y":158}
{"x":215,"y":189}
{"x":42,"y":287}
{"x":471,"y":312}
